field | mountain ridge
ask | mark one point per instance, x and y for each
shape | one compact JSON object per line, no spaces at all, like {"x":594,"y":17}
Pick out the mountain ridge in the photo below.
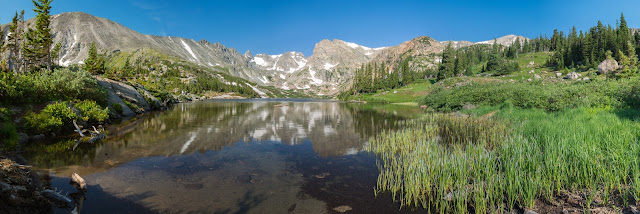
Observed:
{"x":327,"y":71}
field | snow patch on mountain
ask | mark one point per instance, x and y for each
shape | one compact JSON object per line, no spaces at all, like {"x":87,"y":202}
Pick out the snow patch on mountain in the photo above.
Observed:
{"x":329,"y":66}
{"x":261,"y":93}
{"x":259,"y":61}
{"x":368,"y":51}
{"x":68,"y":62}
{"x":313,"y":78}
{"x":285,"y":87}
{"x":263,"y":79}
{"x":188,"y":49}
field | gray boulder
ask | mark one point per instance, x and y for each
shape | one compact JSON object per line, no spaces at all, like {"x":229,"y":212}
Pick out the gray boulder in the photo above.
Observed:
{"x":607,"y":66}
{"x":573,"y":75}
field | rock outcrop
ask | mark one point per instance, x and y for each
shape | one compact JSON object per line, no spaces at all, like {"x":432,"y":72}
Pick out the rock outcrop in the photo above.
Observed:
{"x":607,"y":66}
{"x":119,"y":92}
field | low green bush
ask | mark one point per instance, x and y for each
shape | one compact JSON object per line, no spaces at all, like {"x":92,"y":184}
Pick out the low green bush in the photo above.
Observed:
{"x":132,"y":106}
{"x":43,"y":86}
{"x":542,"y":95}
{"x":92,"y":112}
{"x":117,"y":108}
{"x":42,"y":122}
{"x":5,"y":114}
{"x":60,"y":114}
{"x":8,"y":135}
{"x":61,"y":110}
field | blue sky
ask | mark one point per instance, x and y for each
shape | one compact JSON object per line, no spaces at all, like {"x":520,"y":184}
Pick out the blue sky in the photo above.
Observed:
{"x":278,"y":26}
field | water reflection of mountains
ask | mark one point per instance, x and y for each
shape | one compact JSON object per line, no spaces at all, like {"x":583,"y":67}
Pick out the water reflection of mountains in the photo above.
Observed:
{"x":333,"y":129}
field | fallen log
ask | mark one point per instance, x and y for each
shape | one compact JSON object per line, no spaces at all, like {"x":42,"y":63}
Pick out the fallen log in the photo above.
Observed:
{"x":96,"y":134}
{"x":78,"y":128}
{"x":56,"y":196}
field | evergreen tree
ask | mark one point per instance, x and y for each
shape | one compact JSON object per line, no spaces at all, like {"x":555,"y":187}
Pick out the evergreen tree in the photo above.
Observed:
{"x":637,"y":42}
{"x":55,"y":53}
{"x":495,"y":61}
{"x":94,"y":63}
{"x":633,"y":58}
{"x":14,"y":42}
{"x":37,"y":50}
{"x":517,"y":45}
{"x":624,"y":36}
{"x":448,"y":63}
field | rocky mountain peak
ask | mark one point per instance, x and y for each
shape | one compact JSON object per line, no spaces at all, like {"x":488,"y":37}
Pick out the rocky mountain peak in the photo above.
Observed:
{"x":507,"y":40}
{"x":204,"y":42}
{"x":248,"y":54}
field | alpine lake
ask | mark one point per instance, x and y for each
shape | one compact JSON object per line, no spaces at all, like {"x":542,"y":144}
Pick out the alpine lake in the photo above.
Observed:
{"x":230,"y":156}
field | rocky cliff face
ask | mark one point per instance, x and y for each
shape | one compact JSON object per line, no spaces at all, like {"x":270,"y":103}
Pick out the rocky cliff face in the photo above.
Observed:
{"x":327,"y":71}
{"x":424,"y":50}
{"x":507,"y":40}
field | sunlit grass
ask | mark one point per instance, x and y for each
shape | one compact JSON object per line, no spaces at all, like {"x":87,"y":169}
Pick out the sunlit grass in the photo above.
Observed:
{"x":478,"y":165}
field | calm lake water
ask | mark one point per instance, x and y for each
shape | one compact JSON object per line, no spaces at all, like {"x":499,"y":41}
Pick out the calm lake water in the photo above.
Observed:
{"x":231,"y":156}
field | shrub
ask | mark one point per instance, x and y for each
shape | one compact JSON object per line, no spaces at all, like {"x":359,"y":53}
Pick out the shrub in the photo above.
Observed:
{"x":5,"y":114}
{"x":43,"y":122}
{"x":132,"y":106}
{"x":92,"y":112}
{"x":8,"y":135}
{"x":60,"y":110}
{"x":51,"y":118}
{"x":43,"y":86}
{"x":547,"y":96}
{"x":117,"y":108}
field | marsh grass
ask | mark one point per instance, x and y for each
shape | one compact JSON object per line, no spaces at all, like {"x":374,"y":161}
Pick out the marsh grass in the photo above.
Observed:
{"x":452,"y":163}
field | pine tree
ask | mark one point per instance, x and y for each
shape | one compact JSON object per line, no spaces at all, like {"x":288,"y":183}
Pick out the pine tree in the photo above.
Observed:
{"x":624,"y":35}
{"x":633,"y":58}
{"x":15,"y":42}
{"x":37,"y":50}
{"x":94,"y":63}
{"x":55,"y":53}
{"x":448,"y":63}
{"x":637,"y":42}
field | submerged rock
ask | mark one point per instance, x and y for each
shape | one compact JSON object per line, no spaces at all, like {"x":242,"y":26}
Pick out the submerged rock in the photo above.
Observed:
{"x":323,"y":175}
{"x":177,"y":164}
{"x":342,"y":209}
{"x":193,"y":186}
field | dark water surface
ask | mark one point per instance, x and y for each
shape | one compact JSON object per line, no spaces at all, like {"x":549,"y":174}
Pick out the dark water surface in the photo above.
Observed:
{"x":231,"y":156}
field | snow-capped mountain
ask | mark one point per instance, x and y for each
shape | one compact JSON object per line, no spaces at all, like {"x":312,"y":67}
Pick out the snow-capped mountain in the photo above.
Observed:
{"x":328,"y":70}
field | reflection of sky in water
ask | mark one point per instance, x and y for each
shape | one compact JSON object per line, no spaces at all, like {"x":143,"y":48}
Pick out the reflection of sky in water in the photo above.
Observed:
{"x":194,"y":149}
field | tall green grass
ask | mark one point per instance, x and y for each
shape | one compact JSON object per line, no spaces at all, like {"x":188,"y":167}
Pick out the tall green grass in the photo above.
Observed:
{"x":586,"y":151}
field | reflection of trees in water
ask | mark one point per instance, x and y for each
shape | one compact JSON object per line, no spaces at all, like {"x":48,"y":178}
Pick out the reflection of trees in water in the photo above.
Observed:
{"x":58,"y":154}
{"x":369,"y":122}
{"x":333,"y":129}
